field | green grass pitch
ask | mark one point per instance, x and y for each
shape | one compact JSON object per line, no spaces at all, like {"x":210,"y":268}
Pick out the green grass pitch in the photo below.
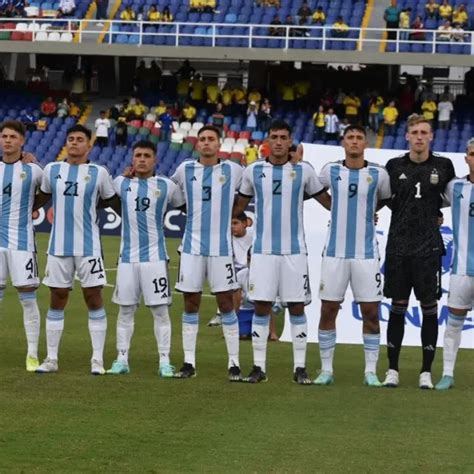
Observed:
{"x":73,"y":422}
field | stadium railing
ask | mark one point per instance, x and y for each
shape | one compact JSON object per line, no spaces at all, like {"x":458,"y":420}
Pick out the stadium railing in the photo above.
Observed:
{"x":230,"y":35}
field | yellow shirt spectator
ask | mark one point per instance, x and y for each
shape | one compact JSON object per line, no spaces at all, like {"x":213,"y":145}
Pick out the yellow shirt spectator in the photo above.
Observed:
{"x":197,"y":92}
{"x":302,"y":88}
{"x":404,"y":20}
{"x":138,"y":109}
{"x":431,"y":8}
{"x":227,"y":95}
{"x":74,"y":110}
{"x":239,"y":94}
{"x":288,"y":93}
{"x":154,"y":16}
{"x":195,"y":4}
{"x":319,"y":17}
{"x":390,"y":115}
{"x":189,"y":113}
{"x":127,"y":15}
{"x":251,"y":154}
{"x":160,"y":109}
{"x":460,"y":16}
{"x":352,"y":105}
{"x":183,"y":87}
{"x":445,"y":11}
{"x":209,"y":3}
{"x":318,"y":119}
{"x":429,"y":109}
{"x":255,"y":96}
{"x":375,"y":106}
{"x":213,"y":92}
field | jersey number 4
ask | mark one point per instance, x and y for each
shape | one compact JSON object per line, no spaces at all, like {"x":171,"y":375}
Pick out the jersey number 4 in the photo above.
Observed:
{"x":8,"y":190}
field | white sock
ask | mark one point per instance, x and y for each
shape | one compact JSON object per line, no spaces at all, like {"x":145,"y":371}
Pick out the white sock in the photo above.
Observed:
{"x":299,"y":336}
{"x":162,"y":328}
{"x":260,"y":332}
{"x":31,"y":321}
{"x":452,"y":340}
{"x":230,"y":328}
{"x":327,"y":344}
{"x":371,"y":352}
{"x":54,"y":331}
{"x":190,"y":331}
{"x":97,"y":330}
{"x":125,"y":325}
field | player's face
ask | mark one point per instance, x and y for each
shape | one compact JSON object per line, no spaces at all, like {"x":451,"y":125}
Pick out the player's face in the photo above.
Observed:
{"x":143,"y":161}
{"x":208,"y":144}
{"x":77,"y":145}
{"x":11,"y":141}
{"x":419,"y":137}
{"x":354,"y":143}
{"x":470,"y":158}
{"x":279,"y":142}
{"x":238,"y":227}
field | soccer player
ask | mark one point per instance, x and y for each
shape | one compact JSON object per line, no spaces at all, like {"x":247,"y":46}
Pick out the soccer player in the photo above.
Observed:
{"x":76,"y":186}
{"x":414,"y":245}
{"x":209,"y":186}
{"x":460,"y":194}
{"x":143,"y":260}
{"x":19,"y":182}
{"x":279,"y":258}
{"x":351,"y":252}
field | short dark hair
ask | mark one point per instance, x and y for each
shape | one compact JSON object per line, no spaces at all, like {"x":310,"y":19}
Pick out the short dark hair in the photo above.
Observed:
{"x":355,"y":128}
{"x":14,"y":125}
{"x":210,"y":128}
{"x":279,"y":125}
{"x":79,"y":128}
{"x":144,"y":144}
{"x":241,"y":217}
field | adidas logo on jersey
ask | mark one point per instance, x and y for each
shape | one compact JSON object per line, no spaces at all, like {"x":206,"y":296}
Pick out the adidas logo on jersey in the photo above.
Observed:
{"x":164,"y":295}
{"x":262,"y":175}
{"x":193,"y":178}
{"x":58,"y":176}
{"x":255,"y":334}
{"x":301,"y":335}
{"x":402,"y":176}
{"x":429,"y":348}
{"x":129,"y":189}
{"x":30,"y":277}
{"x":338,"y":178}
{"x":101,"y":276}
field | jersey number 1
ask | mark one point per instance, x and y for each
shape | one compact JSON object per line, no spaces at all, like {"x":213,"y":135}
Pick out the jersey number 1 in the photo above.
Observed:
{"x":418,"y":190}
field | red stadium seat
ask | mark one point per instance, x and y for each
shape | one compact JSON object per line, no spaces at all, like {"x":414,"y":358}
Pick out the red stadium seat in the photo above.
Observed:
{"x":156,"y":131}
{"x":16,"y":36}
{"x":223,"y":155}
{"x":148,"y":124}
{"x":244,"y":135}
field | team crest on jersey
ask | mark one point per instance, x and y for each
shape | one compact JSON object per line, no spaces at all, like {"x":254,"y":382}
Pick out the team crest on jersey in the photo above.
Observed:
{"x":293,"y":174}
{"x":321,"y":286}
{"x":87,"y":178}
{"x":22,"y":175}
{"x":434,"y":176}
{"x":251,"y":288}
{"x":222,"y":179}
{"x":370,"y":179}
{"x":157,"y":193}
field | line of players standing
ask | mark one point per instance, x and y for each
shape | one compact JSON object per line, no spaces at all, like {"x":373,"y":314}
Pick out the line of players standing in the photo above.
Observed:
{"x":353,"y":190}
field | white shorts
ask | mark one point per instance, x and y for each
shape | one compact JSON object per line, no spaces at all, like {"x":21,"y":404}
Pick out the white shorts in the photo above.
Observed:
{"x":284,"y":276}
{"x":149,"y":279}
{"x":194,"y":269}
{"x":461,"y":292}
{"x":21,"y":266}
{"x":363,"y":275}
{"x":60,"y":272}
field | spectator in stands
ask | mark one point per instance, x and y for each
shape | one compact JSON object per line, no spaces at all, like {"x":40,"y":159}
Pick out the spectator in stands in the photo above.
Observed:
{"x":63,"y":108}
{"x":272,"y":31}
{"x":166,"y":15}
{"x":166,"y":122}
{"x":319,"y":17}
{"x":390,"y":116}
{"x":182,"y":89}
{"x":74,"y":110}
{"x":265,"y":116}
{"x":48,"y":107}
{"x":135,"y":110}
{"x":153,"y":14}
{"x":269,"y":3}
{"x":15,"y":8}
{"x":240,"y":99}
{"x":445,"y":109}
{"x":189,"y":113}
{"x":304,"y":11}
{"x":445,"y":10}
{"x":331,"y":125}
{"x":264,"y":150}
{"x":458,"y":33}
{"x":28,"y":120}
{"x":460,"y":15}
{"x":375,"y":111}
{"x":217,"y":118}
{"x":319,"y":123}
{"x":128,"y":14}
{"x":255,"y":96}
{"x":418,"y":34}
{"x":342,"y":127}
{"x":446,"y":96}
{"x":213,"y":95}
{"x":186,"y":71}
{"x":197,"y":87}
{"x":301,"y":32}
{"x":404,"y":24}
{"x":428,"y":108}
{"x":391,"y":17}
{"x":195,"y":6}
{"x":251,"y":153}
{"x":227,"y":97}
{"x":288,"y":92}
{"x":352,"y":105}
{"x":445,"y":31}
{"x":160,"y":108}
{"x":102,"y":125}
{"x":101,"y":13}
{"x":431,"y":9}
{"x":289,"y":21}
{"x":121,"y":132}
{"x":66,"y":8}
{"x":252,"y":113}
{"x":209,"y":6}
{"x":339,"y":28}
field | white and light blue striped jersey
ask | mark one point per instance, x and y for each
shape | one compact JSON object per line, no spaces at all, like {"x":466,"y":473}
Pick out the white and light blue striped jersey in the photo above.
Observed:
{"x":279,"y":191}
{"x":76,"y":190}
{"x":354,"y":196}
{"x":18,"y":184}
{"x":209,"y":193}
{"x":460,"y":193}
{"x":144,"y":203}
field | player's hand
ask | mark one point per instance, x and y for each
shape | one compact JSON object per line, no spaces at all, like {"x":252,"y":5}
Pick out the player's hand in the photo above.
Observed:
{"x":297,"y":155}
{"x":129,"y":172}
{"x":376,"y":218}
{"x":27,"y":157}
{"x":440,"y":220}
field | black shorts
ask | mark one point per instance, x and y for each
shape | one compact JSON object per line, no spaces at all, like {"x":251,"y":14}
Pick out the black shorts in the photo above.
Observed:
{"x":422,"y":274}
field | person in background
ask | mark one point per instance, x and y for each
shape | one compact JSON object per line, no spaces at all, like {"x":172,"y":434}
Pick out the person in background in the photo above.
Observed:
{"x":102,"y":125}
{"x":390,"y":116}
{"x":331,"y":125}
{"x":166,"y":122}
{"x":319,"y":123}
{"x":251,"y":153}
{"x":121,"y":132}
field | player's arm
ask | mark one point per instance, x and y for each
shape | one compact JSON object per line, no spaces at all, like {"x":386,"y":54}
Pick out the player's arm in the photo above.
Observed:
{"x":114,"y":202}
{"x":324,"y":198}
{"x":245,"y":194}
{"x":41,"y":199}
{"x":240,"y":204}
{"x":316,"y":187}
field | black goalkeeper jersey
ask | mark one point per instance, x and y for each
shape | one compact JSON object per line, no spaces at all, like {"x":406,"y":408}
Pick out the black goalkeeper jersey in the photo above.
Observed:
{"x":416,"y":201}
